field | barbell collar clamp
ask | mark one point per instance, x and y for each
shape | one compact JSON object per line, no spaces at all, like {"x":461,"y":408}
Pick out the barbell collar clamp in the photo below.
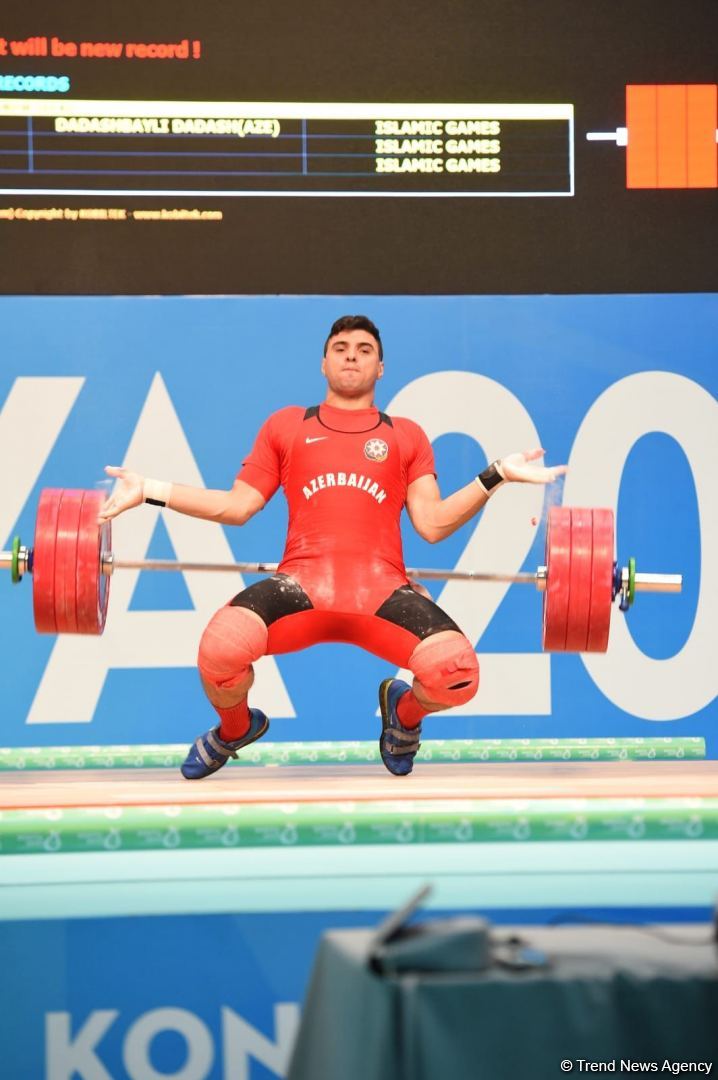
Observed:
{"x":24,"y":560}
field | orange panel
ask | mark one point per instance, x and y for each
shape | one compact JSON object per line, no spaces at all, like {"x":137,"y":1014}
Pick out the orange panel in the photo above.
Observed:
{"x":702,"y":102}
{"x":641,"y":152}
{"x":672,"y":137}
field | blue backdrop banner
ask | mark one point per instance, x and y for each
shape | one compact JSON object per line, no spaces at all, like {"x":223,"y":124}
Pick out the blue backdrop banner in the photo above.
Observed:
{"x":620,"y":387}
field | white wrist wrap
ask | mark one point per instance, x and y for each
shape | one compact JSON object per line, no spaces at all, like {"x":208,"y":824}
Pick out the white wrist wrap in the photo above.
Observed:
{"x":156,"y":492}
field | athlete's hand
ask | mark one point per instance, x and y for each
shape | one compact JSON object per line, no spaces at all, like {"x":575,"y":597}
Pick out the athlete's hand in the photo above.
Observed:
{"x":519,"y":467}
{"x":128,"y":492}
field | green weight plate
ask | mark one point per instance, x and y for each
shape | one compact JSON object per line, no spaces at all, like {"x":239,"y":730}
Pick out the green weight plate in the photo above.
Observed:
{"x":631,"y":581}
{"x":15,"y":564}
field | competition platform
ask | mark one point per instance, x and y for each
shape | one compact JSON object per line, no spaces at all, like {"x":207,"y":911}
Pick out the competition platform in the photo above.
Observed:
{"x":624,"y":824}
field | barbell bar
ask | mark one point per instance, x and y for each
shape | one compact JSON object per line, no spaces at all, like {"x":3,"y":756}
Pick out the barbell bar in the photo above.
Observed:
{"x":643,"y":582}
{"x":72,"y":562}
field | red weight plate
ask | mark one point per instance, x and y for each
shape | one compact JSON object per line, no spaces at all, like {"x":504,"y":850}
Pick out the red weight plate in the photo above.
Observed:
{"x":579,"y":590}
{"x":93,"y":587}
{"x":43,"y":561}
{"x":599,"y":617}
{"x":556,"y":593}
{"x":68,"y":526}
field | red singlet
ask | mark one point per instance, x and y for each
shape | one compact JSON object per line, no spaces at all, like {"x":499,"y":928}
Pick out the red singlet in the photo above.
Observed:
{"x":345,"y":475}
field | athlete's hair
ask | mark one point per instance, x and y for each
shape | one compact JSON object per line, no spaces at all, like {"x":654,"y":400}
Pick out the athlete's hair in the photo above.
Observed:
{"x":355,"y":322}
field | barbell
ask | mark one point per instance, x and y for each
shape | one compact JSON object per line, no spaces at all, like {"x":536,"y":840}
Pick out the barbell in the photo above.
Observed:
{"x":72,"y":563}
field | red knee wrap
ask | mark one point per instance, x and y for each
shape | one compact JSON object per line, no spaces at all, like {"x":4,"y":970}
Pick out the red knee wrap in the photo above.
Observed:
{"x":233,"y":640}
{"x":446,"y":669}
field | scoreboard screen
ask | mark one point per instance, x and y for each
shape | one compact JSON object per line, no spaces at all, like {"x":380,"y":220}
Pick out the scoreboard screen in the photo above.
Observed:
{"x":283,"y":148}
{"x":478,"y":147}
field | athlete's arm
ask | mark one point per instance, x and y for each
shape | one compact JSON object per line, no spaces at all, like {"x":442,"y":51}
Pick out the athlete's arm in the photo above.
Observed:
{"x":234,"y":507}
{"x":435,"y":518}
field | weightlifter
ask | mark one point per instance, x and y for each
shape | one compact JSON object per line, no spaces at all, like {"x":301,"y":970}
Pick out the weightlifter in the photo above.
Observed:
{"x":347,"y":470}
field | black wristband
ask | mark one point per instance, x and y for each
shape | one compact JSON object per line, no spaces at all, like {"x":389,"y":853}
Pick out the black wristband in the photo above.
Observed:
{"x":155,"y":502}
{"x":490,"y":477}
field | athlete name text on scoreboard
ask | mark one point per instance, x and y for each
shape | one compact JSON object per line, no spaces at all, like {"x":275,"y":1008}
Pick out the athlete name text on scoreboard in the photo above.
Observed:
{"x":270,"y":148}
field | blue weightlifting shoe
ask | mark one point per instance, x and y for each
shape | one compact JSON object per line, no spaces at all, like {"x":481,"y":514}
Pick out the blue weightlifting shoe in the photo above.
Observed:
{"x":397,"y":745}
{"x":208,"y":752}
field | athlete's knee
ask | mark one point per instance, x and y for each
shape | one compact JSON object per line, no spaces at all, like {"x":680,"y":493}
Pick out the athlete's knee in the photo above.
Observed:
{"x":234,"y":638}
{"x":445,"y":668}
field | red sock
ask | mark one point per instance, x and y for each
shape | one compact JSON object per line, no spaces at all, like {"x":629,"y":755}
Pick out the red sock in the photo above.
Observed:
{"x":410,"y":710}
{"x":233,"y":721}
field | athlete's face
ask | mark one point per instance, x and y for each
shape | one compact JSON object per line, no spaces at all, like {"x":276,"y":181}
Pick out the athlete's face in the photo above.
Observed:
{"x":351,"y":364}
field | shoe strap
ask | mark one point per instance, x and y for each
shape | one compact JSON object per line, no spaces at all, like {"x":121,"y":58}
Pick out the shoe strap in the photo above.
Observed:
{"x":399,"y":751}
{"x":404,"y":735}
{"x":220,"y":747}
{"x":399,"y":748}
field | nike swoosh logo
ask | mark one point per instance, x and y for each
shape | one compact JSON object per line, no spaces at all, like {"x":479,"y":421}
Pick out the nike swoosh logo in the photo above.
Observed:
{"x":317,"y":439}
